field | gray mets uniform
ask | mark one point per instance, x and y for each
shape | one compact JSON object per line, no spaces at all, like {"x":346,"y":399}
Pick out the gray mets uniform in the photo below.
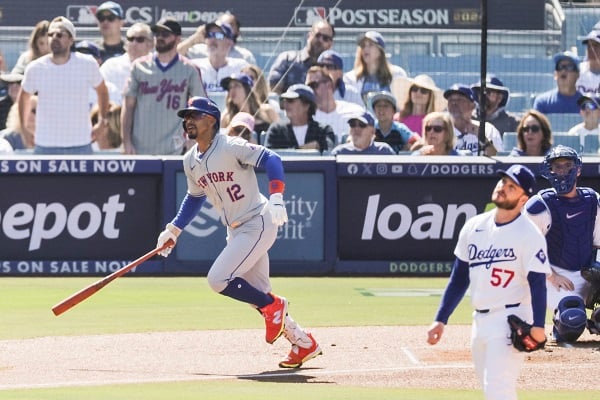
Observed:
{"x":225,"y":175}
{"x":159,"y":91}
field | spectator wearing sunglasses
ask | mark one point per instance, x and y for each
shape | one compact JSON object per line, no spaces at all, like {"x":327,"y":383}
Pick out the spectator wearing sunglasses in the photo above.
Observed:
{"x":418,"y":96}
{"x":534,"y":137}
{"x":330,"y":111}
{"x":334,"y":64}
{"x":291,"y":66}
{"x":362,"y":138}
{"x":496,"y":98}
{"x":195,"y":46}
{"x":116,"y":69}
{"x":438,"y":136}
{"x":110,"y":19}
{"x":158,"y":83}
{"x":394,"y":133}
{"x":62,"y":80}
{"x":218,"y":65}
{"x":461,"y":104}
{"x":589,"y":106}
{"x":563,"y":99}
{"x":301,"y":131}
{"x":372,"y":71}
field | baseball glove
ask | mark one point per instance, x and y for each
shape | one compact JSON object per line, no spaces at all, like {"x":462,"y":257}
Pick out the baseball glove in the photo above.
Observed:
{"x":520,"y":335}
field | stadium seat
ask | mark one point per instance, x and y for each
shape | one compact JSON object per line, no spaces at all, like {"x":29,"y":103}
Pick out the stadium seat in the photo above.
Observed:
{"x":563,"y":122}
{"x":509,"y":140}
{"x":566,"y":140}
{"x":591,"y":144}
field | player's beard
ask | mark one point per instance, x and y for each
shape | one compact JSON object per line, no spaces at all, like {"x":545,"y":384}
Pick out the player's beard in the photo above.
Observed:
{"x":164,"y":47}
{"x":504,"y":203}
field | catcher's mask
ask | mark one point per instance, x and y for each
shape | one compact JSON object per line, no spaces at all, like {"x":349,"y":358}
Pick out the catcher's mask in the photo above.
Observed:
{"x":562,"y":181}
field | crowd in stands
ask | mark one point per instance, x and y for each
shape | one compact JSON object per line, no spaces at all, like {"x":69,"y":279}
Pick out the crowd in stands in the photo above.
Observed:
{"x":119,"y":94}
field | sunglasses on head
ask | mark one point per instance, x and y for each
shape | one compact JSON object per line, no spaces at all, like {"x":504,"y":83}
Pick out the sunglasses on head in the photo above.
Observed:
{"x":323,"y":37}
{"x":357,"y":124}
{"x":566,"y":67}
{"x":588,"y":106}
{"x":109,"y":17}
{"x":416,"y":89}
{"x":435,"y":128}
{"x":532,"y":128}
{"x":137,"y":39}
{"x":215,"y":35}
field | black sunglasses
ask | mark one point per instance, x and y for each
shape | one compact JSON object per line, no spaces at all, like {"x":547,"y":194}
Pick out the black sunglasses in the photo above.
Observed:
{"x":357,"y":124}
{"x":323,"y":37}
{"x":110,"y":18}
{"x":435,"y":128}
{"x":137,"y":39}
{"x":588,"y":106}
{"x":532,"y":128}
{"x":315,"y":84}
{"x":566,"y":67}
{"x":416,"y":89}
{"x":58,"y":35}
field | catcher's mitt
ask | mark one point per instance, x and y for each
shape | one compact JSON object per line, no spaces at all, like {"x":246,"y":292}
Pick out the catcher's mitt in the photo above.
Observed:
{"x":520,"y":335}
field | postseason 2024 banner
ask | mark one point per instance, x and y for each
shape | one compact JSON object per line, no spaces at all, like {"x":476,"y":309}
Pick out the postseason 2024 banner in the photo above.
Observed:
{"x":429,"y":14}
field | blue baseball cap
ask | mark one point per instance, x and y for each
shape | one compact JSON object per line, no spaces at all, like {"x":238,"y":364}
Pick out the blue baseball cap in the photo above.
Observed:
{"x":460,"y":88}
{"x":244,"y":79}
{"x":112,"y":7}
{"x":373,"y":36}
{"x":522,"y":176}
{"x":224,"y":27}
{"x":87,"y":47}
{"x":331,"y":57}
{"x":299,"y":90}
{"x":566,"y":55}
{"x":365,"y":118}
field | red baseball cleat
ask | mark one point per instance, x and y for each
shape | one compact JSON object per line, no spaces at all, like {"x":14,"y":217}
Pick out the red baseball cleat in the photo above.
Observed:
{"x":300,"y":355}
{"x":274,"y":314}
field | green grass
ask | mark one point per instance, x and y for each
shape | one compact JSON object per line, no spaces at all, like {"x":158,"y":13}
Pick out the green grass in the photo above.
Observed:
{"x":167,"y":304}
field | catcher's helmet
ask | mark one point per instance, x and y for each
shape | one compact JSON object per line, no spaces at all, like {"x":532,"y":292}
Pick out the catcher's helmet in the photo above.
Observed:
{"x":202,"y":105}
{"x":561,"y":183}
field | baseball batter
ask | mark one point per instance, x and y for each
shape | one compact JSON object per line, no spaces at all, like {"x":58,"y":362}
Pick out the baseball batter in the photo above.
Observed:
{"x":567,"y":215}
{"x":221,"y":169}
{"x":502,"y":255}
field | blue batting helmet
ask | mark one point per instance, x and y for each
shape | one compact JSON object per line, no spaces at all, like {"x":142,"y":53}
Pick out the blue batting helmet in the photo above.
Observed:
{"x":562,"y":183}
{"x":202,"y":105}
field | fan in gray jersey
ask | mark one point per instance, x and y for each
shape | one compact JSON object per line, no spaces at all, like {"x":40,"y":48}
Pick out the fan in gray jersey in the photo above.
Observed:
{"x":221,"y":169}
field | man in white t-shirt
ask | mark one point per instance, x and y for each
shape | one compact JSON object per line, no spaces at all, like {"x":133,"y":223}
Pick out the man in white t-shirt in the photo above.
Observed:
{"x":62,"y":80}
{"x":590,"y":112}
{"x":218,"y":65}
{"x":589,"y":76}
{"x":117,"y":69}
{"x":330,"y":111}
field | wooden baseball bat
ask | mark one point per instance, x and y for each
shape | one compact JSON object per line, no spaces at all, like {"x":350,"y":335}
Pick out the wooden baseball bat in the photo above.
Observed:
{"x":87,"y":291}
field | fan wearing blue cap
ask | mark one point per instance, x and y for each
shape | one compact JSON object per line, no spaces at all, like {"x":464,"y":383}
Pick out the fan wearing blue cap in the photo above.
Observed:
{"x":301,"y":131}
{"x":496,"y":97}
{"x":194,"y":46}
{"x":502,"y":259}
{"x":111,"y":19}
{"x":372,"y":71}
{"x":362,"y":138}
{"x":562,"y":99}
{"x":334,"y":64}
{"x":461,"y":105}
{"x":218,"y":65}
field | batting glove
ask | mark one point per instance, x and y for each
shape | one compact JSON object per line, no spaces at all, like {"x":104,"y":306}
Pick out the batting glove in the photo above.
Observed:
{"x":171,"y":232}
{"x":277,"y":210}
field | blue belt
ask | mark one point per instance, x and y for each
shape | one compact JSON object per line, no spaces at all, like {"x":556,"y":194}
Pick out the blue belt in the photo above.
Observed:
{"x":487,"y":310}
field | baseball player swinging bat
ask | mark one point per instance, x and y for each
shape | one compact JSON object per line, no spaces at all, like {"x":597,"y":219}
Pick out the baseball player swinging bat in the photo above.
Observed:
{"x":87,"y":291}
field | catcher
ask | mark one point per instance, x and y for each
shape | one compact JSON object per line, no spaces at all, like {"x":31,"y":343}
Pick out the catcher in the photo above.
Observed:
{"x":502,"y":256}
{"x":567,"y":214}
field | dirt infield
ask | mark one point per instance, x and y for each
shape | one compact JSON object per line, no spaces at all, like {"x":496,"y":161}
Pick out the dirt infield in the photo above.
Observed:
{"x":358,"y":356}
